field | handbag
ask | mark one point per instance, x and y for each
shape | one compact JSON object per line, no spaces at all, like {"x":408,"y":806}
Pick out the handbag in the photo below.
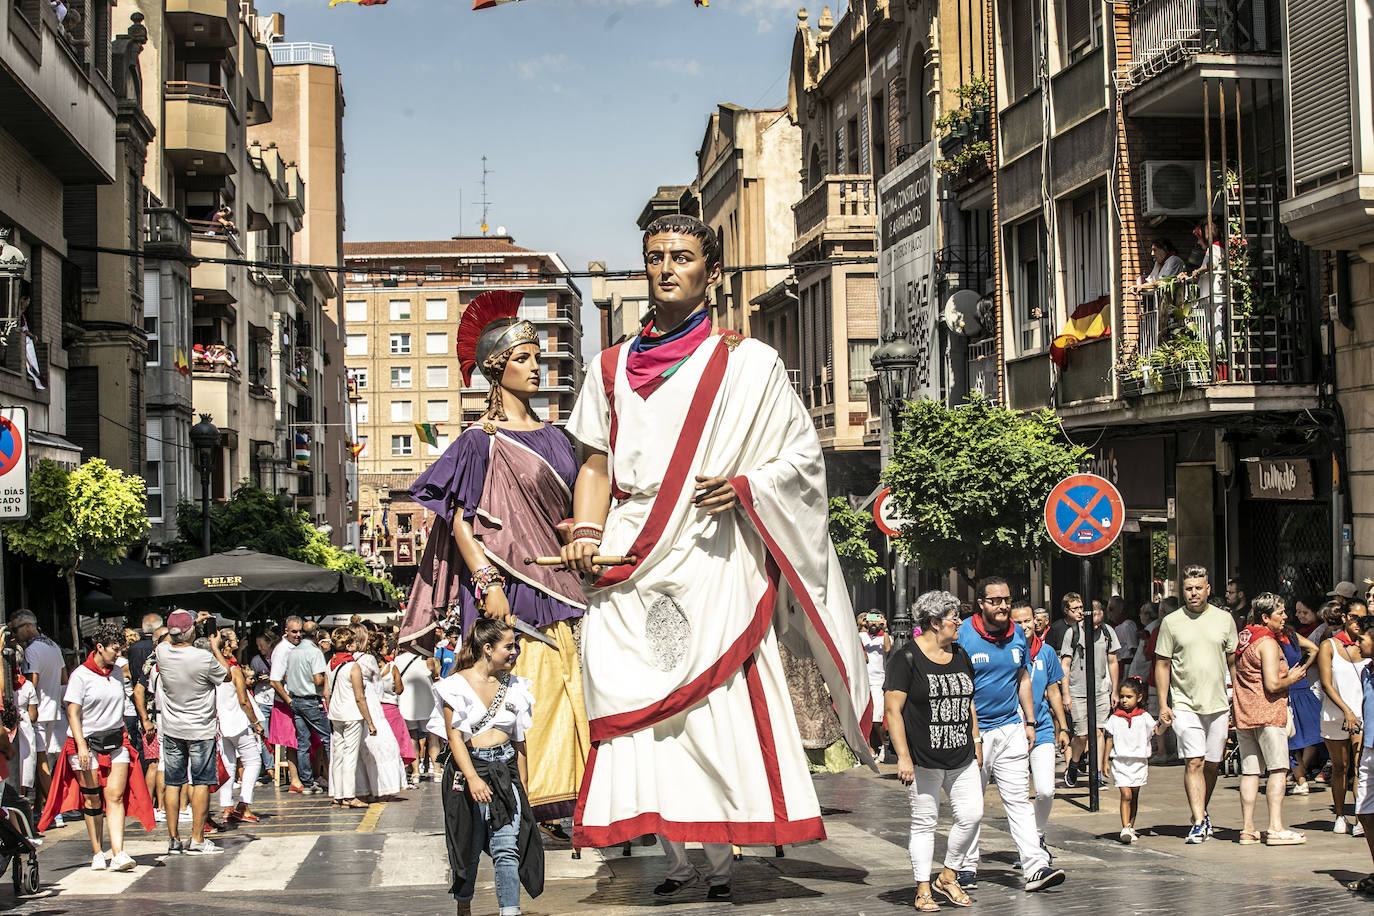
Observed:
{"x":106,"y":742}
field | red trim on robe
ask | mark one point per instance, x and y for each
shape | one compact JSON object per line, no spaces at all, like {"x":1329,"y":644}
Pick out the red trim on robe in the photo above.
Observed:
{"x":675,"y":479}
{"x":65,"y":794}
{"x":764,"y":726}
{"x":696,"y":690}
{"x":746,"y":499}
{"x":610,"y":361}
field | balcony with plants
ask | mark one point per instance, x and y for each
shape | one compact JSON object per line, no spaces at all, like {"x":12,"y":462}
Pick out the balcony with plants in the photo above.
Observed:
{"x":966,"y":136}
{"x":1243,"y":322}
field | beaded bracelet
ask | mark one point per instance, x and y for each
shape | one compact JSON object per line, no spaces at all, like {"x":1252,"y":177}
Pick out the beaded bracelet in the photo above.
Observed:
{"x":486,"y":578}
{"x":587,"y":531}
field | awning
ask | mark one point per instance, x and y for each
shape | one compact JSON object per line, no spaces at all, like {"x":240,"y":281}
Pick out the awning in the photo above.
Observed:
{"x":64,"y":453}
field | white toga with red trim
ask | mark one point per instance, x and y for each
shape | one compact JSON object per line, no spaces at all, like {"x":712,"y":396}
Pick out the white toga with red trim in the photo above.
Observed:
{"x":691,"y":722}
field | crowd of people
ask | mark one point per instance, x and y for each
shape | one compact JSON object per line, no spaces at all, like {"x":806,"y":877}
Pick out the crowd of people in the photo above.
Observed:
{"x":989,"y":696}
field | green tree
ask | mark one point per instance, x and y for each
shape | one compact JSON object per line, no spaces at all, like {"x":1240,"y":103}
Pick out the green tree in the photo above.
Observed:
{"x":95,"y":509}
{"x":254,"y":518}
{"x":973,"y":480}
{"x":849,"y":530}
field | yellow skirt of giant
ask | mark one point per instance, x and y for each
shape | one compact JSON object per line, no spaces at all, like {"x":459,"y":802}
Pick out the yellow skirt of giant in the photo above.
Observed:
{"x":558,"y":743}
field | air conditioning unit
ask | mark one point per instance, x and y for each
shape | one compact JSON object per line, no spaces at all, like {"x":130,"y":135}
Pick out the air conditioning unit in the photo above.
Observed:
{"x":1175,"y":187}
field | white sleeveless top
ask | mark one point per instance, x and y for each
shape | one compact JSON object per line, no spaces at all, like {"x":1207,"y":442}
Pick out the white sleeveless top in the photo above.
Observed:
{"x":343,"y":702}
{"x":1345,"y":677}
{"x":417,"y":699}
{"x":389,"y":684}
{"x":232,"y":721}
{"x":515,"y":716}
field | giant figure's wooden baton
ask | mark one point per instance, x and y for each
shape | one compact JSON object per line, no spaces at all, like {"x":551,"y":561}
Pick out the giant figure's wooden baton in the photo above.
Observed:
{"x":599,"y":561}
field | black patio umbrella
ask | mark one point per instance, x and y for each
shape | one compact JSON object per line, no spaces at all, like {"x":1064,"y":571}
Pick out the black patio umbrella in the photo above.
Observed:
{"x":241,"y":582}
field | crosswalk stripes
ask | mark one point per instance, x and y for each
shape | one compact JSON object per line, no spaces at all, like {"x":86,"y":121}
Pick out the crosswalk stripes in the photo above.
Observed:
{"x":265,"y":864}
{"x":411,"y":859}
{"x":82,"y":881}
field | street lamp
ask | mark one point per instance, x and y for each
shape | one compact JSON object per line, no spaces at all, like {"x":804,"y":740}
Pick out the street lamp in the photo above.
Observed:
{"x":13,"y":266}
{"x":205,"y":439}
{"x":896,"y":363}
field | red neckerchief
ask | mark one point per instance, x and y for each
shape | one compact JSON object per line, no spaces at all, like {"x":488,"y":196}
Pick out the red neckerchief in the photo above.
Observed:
{"x":1035,"y":643}
{"x":1128,"y":716}
{"x":982,"y":631}
{"x":1306,"y":629}
{"x":233,"y":662}
{"x":1251,"y":635}
{"x":1282,"y":636}
{"x":1344,"y":639}
{"x":20,"y":680}
{"x":653,"y":353}
{"x":340,"y":658}
{"x":91,"y":663}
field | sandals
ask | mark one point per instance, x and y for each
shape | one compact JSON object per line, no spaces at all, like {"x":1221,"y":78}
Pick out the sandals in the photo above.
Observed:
{"x":1285,"y":838}
{"x":1250,"y":839}
{"x":926,"y":904}
{"x":951,"y":892}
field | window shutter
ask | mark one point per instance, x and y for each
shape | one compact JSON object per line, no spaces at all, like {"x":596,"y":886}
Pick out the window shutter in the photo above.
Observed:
{"x":864,"y":167}
{"x":839,"y":150}
{"x":1024,"y":42}
{"x":1319,"y":73}
{"x":1077,"y":23}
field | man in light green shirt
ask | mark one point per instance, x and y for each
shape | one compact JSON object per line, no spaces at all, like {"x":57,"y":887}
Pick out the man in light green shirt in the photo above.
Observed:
{"x":1194,"y":653}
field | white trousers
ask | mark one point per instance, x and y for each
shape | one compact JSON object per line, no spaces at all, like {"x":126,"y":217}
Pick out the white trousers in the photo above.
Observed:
{"x":719,"y":856}
{"x":345,"y":746}
{"x":1042,"y":778}
{"x":231,"y":750}
{"x":965,"y":791}
{"x":1006,"y":759}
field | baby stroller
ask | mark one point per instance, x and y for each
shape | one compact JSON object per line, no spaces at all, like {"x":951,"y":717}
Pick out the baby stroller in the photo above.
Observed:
{"x":18,"y":844}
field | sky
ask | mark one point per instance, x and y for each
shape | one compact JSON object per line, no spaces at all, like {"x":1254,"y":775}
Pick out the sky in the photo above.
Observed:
{"x":582,"y":108}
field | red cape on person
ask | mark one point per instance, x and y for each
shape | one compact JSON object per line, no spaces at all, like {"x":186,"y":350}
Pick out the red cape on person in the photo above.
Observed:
{"x":65,"y":794}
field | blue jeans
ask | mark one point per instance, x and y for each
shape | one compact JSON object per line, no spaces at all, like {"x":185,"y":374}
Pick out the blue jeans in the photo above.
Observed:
{"x":502,"y":845}
{"x":201,"y":755}
{"x":267,"y":759}
{"x":310,"y":718}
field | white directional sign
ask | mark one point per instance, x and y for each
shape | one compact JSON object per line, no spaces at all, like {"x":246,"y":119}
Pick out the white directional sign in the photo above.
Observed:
{"x":14,"y":463}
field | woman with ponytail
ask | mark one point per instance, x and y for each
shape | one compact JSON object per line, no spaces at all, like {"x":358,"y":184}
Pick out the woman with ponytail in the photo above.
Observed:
{"x":484,"y":712}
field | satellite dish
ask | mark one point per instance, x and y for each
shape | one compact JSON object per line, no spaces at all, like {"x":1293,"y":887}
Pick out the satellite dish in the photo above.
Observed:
{"x":961,"y":313}
{"x":500,"y":230}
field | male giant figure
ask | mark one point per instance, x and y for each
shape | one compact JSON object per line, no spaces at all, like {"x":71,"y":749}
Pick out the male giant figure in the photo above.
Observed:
{"x":705,"y":468}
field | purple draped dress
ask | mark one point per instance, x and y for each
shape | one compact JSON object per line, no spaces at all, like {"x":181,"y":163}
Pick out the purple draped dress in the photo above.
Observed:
{"x":512,"y":487}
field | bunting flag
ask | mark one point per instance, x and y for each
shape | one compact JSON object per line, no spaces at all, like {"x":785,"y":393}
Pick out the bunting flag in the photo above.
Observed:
{"x":302,"y":450}
{"x":1089,"y":321}
{"x":429,"y":432}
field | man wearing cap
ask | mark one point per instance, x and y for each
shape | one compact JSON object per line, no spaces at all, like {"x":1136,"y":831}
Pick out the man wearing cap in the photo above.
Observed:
{"x":188,"y":678}
{"x":1344,"y":592}
{"x":43,"y":663}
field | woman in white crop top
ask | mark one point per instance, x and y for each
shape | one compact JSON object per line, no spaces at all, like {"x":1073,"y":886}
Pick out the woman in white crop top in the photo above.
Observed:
{"x":485,"y":712}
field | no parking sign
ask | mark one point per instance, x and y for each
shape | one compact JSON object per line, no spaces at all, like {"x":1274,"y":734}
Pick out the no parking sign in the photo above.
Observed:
{"x":1084,"y":514}
{"x":14,"y":463}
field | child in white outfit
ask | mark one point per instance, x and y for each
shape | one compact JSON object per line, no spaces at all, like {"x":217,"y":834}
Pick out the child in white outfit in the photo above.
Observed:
{"x":1129,"y":729}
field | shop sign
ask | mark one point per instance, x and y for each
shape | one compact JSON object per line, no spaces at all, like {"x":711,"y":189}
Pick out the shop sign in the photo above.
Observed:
{"x":1135,"y":467}
{"x":1284,"y":478}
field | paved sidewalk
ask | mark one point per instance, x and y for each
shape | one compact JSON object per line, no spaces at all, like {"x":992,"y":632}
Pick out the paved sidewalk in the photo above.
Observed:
{"x":391,"y":860}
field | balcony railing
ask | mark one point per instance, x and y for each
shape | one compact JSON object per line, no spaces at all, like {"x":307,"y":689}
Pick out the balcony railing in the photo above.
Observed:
{"x":215,"y":359}
{"x":1189,"y":336}
{"x":188,"y":89}
{"x":274,"y":268}
{"x":302,"y":52}
{"x":1164,"y":32}
{"x":838,"y":202}
{"x":982,"y":368}
{"x":965,"y":150}
{"x":165,"y":232}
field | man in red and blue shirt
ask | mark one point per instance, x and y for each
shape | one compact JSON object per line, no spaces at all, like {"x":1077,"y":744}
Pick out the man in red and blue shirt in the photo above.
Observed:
{"x":1002,"y":701}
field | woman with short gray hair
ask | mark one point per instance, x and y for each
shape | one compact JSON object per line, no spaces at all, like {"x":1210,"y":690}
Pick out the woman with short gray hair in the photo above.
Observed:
{"x":934,"y":729}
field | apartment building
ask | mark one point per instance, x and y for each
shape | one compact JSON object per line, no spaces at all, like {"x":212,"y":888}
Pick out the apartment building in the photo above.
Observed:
{"x":1201,"y":399}
{"x":622,"y":303}
{"x":1328,"y":58}
{"x":748,"y":178}
{"x":307,"y":129}
{"x":402,"y":303}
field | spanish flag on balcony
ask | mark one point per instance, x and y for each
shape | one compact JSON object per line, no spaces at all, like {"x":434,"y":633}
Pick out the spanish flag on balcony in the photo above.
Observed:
{"x":356,"y":448}
{"x":1088,"y":322}
{"x":181,"y":363}
{"x":429,"y":432}
{"x":302,"y":450}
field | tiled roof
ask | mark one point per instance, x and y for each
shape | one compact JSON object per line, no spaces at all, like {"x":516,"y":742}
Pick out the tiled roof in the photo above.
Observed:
{"x":394,"y":482}
{"x":489,"y":244}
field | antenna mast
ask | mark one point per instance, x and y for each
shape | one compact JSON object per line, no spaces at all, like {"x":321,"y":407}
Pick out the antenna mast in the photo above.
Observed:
{"x":485,"y":202}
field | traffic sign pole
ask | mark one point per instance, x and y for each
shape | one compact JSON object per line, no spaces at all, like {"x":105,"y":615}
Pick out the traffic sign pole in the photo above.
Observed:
{"x":1084,"y":516}
{"x":1090,"y":672}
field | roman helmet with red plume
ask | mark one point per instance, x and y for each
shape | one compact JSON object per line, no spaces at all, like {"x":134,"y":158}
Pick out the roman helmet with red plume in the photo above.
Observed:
{"x":489,"y":329}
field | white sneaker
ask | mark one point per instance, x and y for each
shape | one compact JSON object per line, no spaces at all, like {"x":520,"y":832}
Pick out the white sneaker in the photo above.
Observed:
{"x":98,"y":862}
{"x":1127,"y":835}
{"x":1301,"y":789}
{"x":57,"y":822}
{"x":185,"y":815}
{"x":1359,"y":829}
{"x":1339,"y":826}
{"x":203,"y":848}
{"x":159,"y":816}
{"x":123,"y":862}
